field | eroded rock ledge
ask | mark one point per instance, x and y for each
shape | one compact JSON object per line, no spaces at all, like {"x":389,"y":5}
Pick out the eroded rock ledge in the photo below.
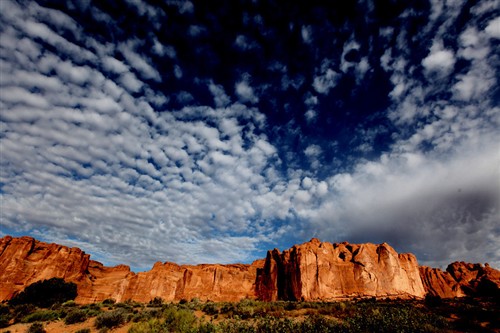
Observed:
{"x":311,"y":271}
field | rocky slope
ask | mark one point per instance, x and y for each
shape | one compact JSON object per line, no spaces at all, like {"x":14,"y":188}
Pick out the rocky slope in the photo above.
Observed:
{"x":461,"y":279}
{"x":311,"y":271}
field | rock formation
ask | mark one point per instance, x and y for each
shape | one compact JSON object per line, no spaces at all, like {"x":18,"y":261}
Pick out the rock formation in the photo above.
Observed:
{"x":310,"y":271}
{"x":25,"y":260}
{"x":461,"y":279}
{"x":324,"y":271}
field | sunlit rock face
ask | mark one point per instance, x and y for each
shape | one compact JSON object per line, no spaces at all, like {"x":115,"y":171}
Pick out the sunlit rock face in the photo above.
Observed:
{"x":311,"y":271}
{"x":24,"y":261}
{"x":324,"y":271}
{"x":461,"y":279}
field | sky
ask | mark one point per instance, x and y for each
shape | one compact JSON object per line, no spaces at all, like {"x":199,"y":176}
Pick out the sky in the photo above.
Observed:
{"x":213,"y":131}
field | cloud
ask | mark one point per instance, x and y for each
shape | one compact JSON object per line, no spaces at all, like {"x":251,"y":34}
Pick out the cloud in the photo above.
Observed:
{"x":220,"y":97}
{"x":439,"y":59}
{"x":323,"y":83}
{"x":310,"y":115}
{"x":493,"y":28}
{"x":138,"y":63}
{"x":306,"y":33}
{"x":102,"y":150}
{"x":86,"y":160}
{"x":245,"y":92}
{"x":430,"y":206}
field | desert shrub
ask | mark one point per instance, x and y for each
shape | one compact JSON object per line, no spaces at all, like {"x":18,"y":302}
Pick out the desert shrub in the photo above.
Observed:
{"x":21,"y":311}
{"x":204,"y":327}
{"x":157,"y":301}
{"x":83,"y":330}
{"x":110,"y":319}
{"x":91,"y":310}
{"x":109,"y":301}
{"x":46,"y":293}
{"x":433,"y":301}
{"x":236,"y":326}
{"x":211,"y":309}
{"x":41,"y":315}
{"x":69,"y":304}
{"x":398,"y":318}
{"x":5,"y":316}
{"x":178,"y":320}
{"x":75,"y":316}
{"x":125,"y":306}
{"x":146,"y":315}
{"x":36,"y":328}
{"x":4,"y":321}
{"x":320,"y":324}
{"x":151,"y":326}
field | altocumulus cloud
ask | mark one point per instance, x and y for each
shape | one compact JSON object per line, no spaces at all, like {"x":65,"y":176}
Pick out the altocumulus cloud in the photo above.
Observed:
{"x":120,"y":145}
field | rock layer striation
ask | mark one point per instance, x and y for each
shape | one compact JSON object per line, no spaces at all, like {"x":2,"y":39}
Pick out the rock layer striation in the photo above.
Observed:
{"x":311,"y":271}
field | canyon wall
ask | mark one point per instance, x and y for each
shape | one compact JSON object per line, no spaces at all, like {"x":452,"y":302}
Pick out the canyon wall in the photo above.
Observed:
{"x":461,"y":279}
{"x":311,"y":271}
{"x":325,"y":271}
{"x":25,"y":260}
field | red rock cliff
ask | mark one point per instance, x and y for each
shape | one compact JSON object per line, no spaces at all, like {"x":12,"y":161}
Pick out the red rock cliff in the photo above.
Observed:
{"x":461,"y":279}
{"x":311,"y":271}
{"x":25,"y":260}
{"x":324,"y":271}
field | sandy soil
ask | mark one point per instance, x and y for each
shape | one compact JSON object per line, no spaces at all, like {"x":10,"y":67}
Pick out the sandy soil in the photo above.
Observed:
{"x":61,"y":327}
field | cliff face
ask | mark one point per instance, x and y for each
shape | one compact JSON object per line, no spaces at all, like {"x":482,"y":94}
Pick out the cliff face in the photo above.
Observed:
{"x":310,"y":271}
{"x":24,"y":261}
{"x":461,"y":279}
{"x":322,"y":271}
{"x":172,"y":282}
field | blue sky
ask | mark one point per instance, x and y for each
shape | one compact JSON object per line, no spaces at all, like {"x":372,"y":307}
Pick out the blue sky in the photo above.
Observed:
{"x":212,"y":131}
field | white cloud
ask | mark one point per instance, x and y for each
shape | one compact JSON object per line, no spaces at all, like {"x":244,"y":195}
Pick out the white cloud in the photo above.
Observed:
{"x":306,"y":33}
{"x":493,"y":28}
{"x":85,"y":159}
{"x":440,"y":60}
{"x":138,"y":63}
{"x":245,"y":92}
{"x":323,"y":83}
{"x":310,"y":115}
{"x":220,"y":97}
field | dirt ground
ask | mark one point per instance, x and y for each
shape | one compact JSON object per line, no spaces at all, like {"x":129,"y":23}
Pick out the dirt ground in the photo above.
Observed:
{"x":61,"y":327}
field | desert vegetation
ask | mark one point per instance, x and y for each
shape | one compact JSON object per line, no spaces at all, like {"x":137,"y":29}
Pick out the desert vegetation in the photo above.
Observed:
{"x":252,"y":316}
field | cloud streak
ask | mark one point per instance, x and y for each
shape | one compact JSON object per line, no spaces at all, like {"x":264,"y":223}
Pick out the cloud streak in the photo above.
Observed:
{"x":120,"y":142}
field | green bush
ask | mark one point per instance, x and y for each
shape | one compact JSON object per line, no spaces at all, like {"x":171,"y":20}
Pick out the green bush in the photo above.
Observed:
{"x":75,"y":316}
{"x":36,"y":328}
{"x":110,"y":319}
{"x":396,"y":318}
{"x":211,"y":309}
{"x":69,"y":304}
{"x":41,"y":315}
{"x":46,"y":293}
{"x":178,"y":319}
{"x":151,"y":326}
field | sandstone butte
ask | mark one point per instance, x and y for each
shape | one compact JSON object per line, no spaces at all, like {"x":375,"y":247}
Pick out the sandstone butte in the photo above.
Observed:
{"x":311,"y":271}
